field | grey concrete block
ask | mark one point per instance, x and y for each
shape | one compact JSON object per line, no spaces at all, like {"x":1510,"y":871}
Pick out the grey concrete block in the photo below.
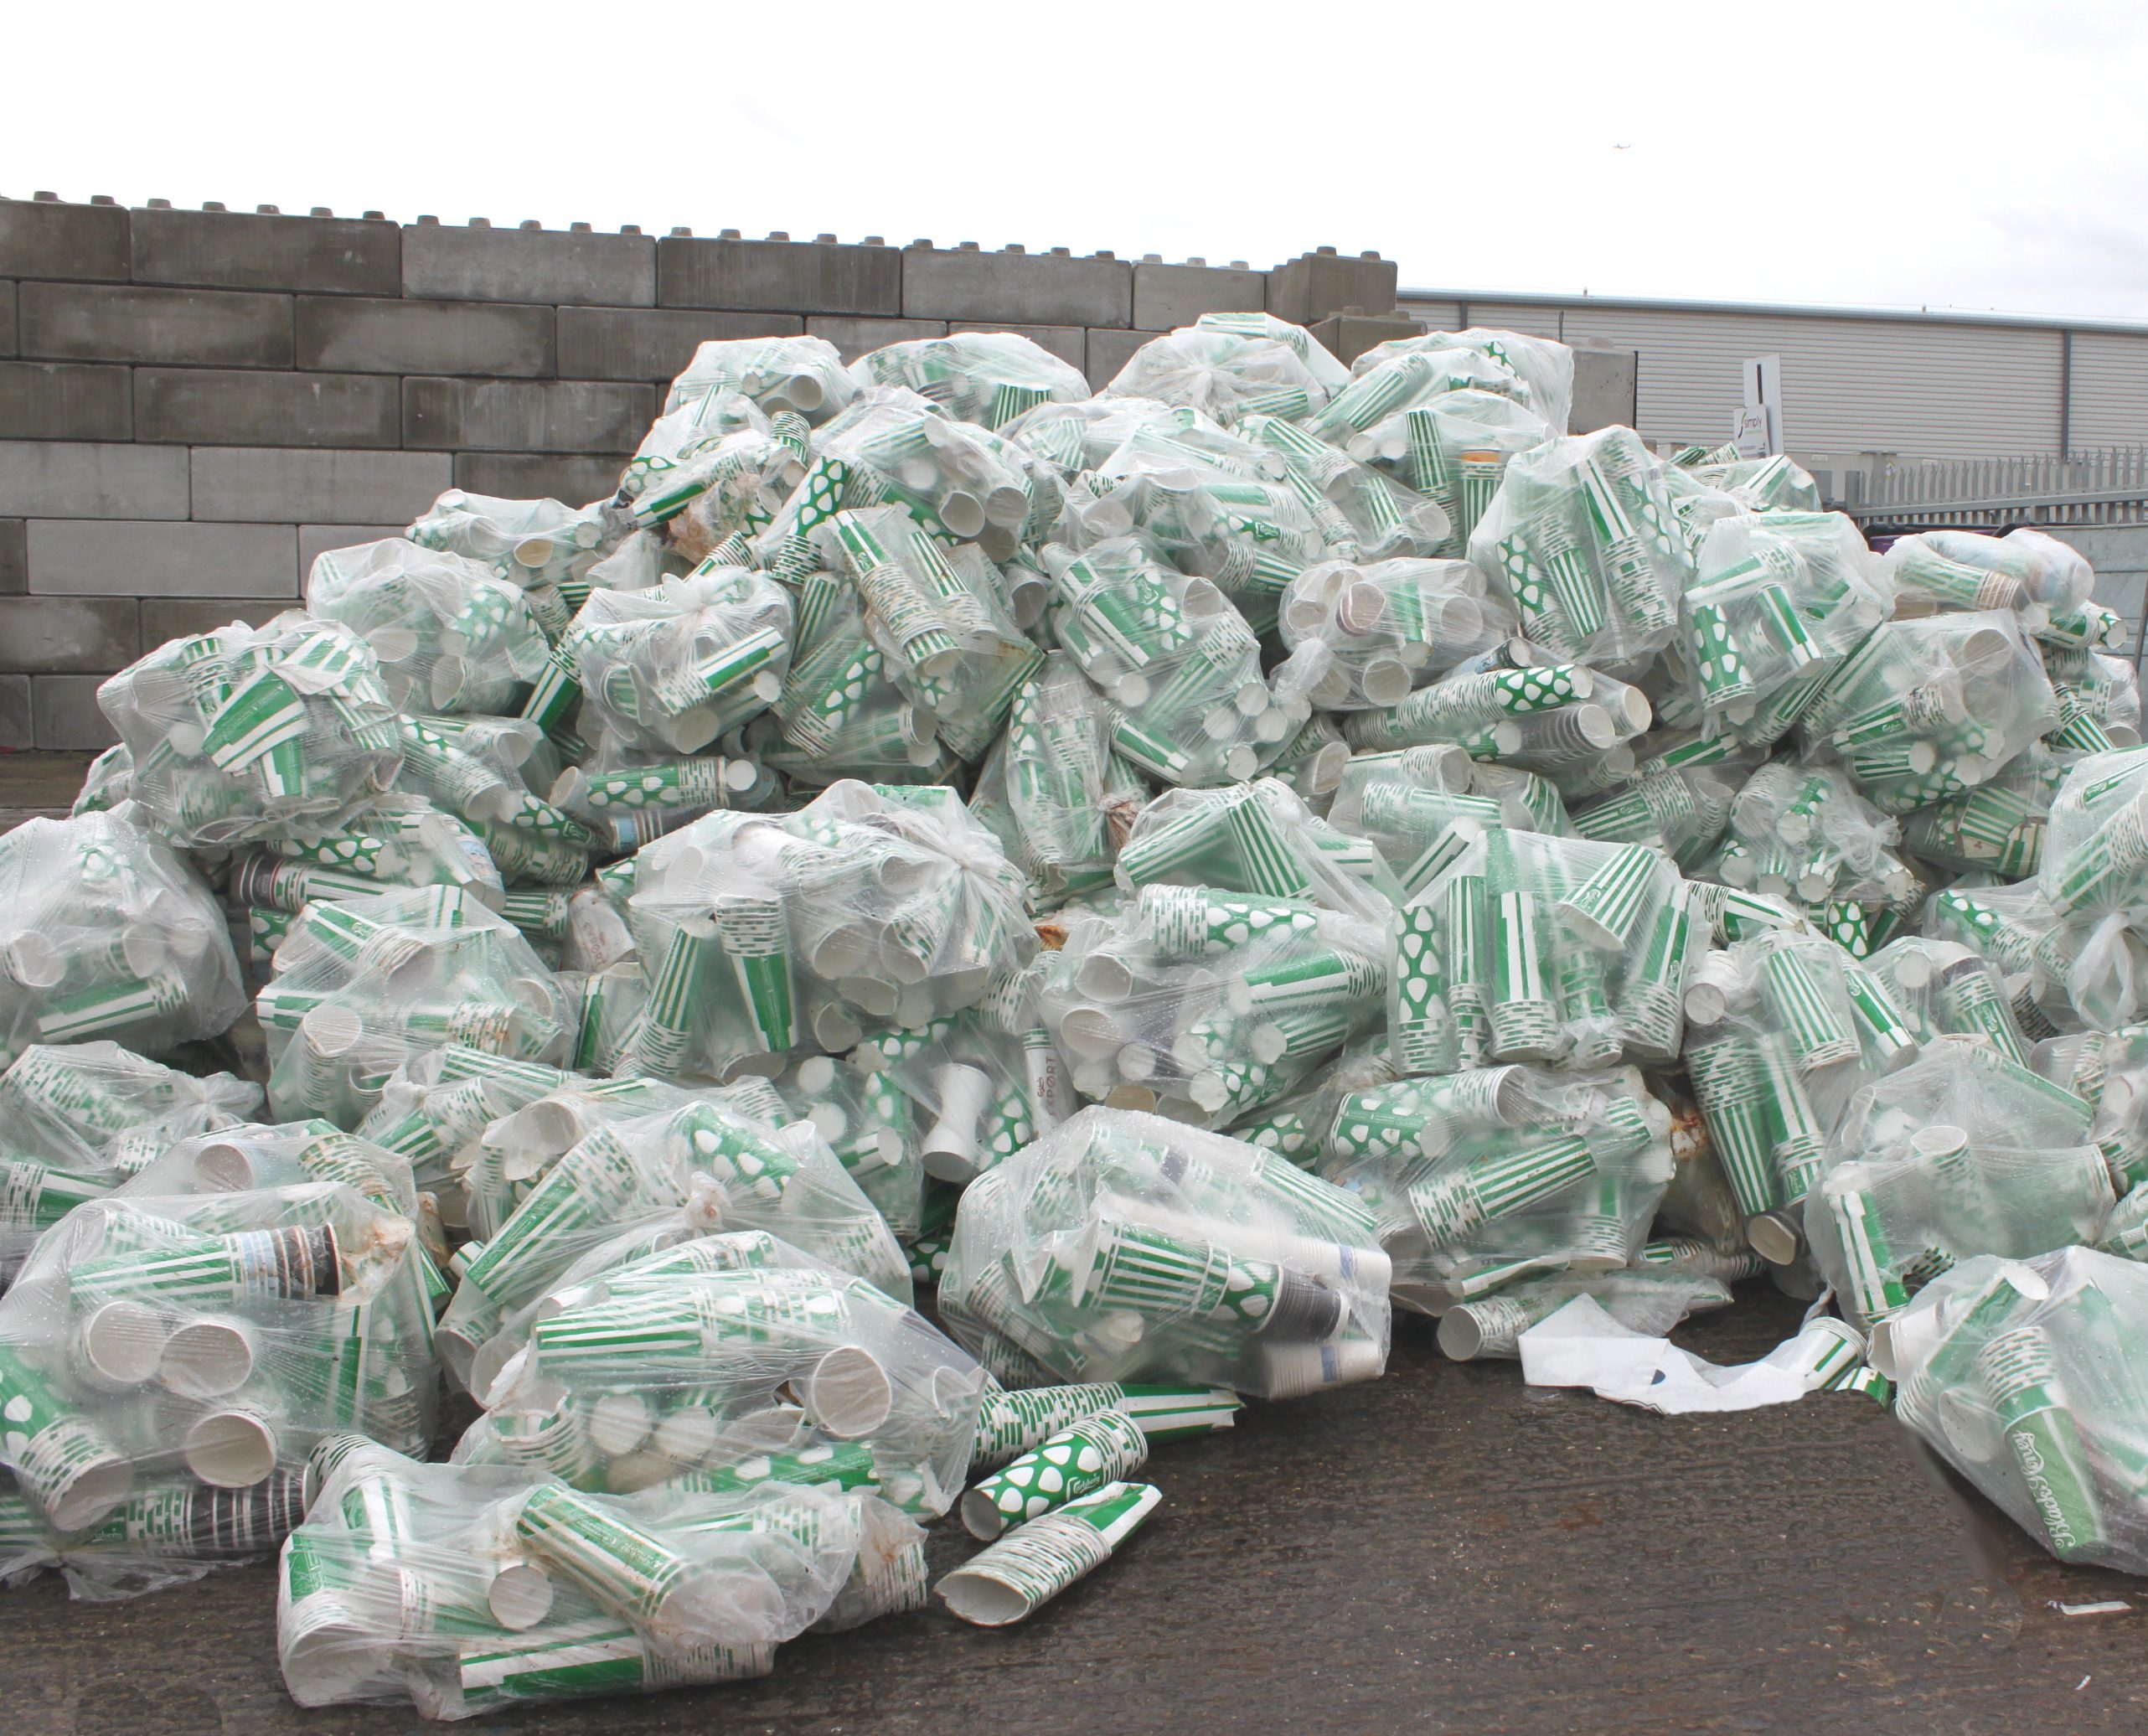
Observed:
{"x":211,"y":407}
{"x":1606,"y":388}
{"x":276,"y":485}
{"x":120,"y":557}
{"x":538,"y":475}
{"x":1108,"y":352}
{"x":41,"y":239}
{"x":1168,"y":296}
{"x":1348,"y":336}
{"x":1070,"y":344}
{"x":7,"y":319}
{"x":576,"y":415}
{"x":17,"y":729}
{"x":71,"y":480}
{"x":239,"y":250}
{"x":314,"y":540}
{"x":64,"y":714}
{"x":200,"y":327}
{"x":14,"y":558}
{"x":166,"y":618}
{"x":853,"y":337}
{"x":365,"y":336}
{"x":1315,"y":285}
{"x":2116,"y":548}
{"x":1033,"y":288}
{"x":806,"y":276}
{"x":655,"y":343}
{"x":520,"y":265}
{"x":69,"y":635}
{"x":64,"y":400}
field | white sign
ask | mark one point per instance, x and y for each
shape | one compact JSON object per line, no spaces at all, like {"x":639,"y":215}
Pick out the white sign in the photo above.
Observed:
{"x":1749,"y":432}
{"x":1764,"y":391}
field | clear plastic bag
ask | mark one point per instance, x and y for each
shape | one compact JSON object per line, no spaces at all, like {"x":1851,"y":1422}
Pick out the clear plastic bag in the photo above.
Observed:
{"x":988,"y":378}
{"x":244,"y":731}
{"x":2025,"y":572}
{"x":1362,"y":513}
{"x":2095,"y":855}
{"x":108,"y":934}
{"x":1230,"y":373}
{"x":1125,"y":1246}
{"x":1804,"y":834}
{"x":1535,"y":372}
{"x":712,"y":471}
{"x":533,"y":543}
{"x":1256,"y":839}
{"x":1363,"y":637}
{"x":805,"y":374}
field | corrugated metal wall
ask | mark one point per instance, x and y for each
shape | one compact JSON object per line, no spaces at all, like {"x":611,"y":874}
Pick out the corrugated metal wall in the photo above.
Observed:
{"x":1924,"y":388}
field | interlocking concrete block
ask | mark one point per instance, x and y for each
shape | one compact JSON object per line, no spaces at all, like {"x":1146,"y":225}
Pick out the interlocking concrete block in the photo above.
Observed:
{"x":211,"y":406}
{"x":654,"y":344}
{"x":238,"y":249}
{"x":2109,"y":548}
{"x":806,"y":276}
{"x":523,"y":265}
{"x":1168,"y":296}
{"x":538,"y":475}
{"x":276,"y":485}
{"x":1070,"y":344}
{"x":41,"y":239}
{"x":853,"y":337}
{"x":1606,"y":388}
{"x":17,"y":729}
{"x":1348,"y":336}
{"x":201,"y":327}
{"x":166,"y":618}
{"x":7,"y":319}
{"x":1033,"y":288}
{"x":69,"y":635}
{"x":567,"y":416}
{"x":79,"y":479}
{"x":64,"y":400}
{"x":120,"y":557}
{"x":315,"y":540}
{"x":1315,"y":285}
{"x":14,"y":558}
{"x":1108,"y":352}
{"x":64,"y":714}
{"x":365,"y":336}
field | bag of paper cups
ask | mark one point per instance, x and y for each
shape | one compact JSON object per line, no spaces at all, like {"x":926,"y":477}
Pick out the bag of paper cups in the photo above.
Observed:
{"x":1060,"y":801}
{"x":1362,"y":515}
{"x":941,"y":620}
{"x":1581,"y":542}
{"x":1564,"y":719}
{"x":674,"y":668}
{"x":1758,"y":484}
{"x":1537,"y":372}
{"x":448,"y":635}
{"x":1679,"y":800}
{"x":2064,"y":973}
{"x":362,"y":984}
{"x":1230,"y":372}
{"x":1452,"y":448}
{"x":805,"y":375}
{"x":1258,"y":839}
{"x":1477,"y":1178}
{"x":1420,"y":806}
{"x":76,"y":1119}
{"x":468,"y":1590}
{"x":396,"y":842}
{"x":714,"y":469}
{"x":2018,"y":1373}
{"x":2029,"y":575}
{"x":628,"y":797}
{"x":872,"y":1126}
{"x":1995,"y":827}
{"x":681,"y":1371}
{"x":168,"y":1361}
{"x":1362,"y":637}
{"x":1073,"y":437}
{"x":1943,"y":988}
{"x":1925,"y":709}
{"x":2095,"y":855}
{"x":494,"y":772}
{"x":1122,"y":1246}
{"x":1642,"y":1297}
{"x":839,"y":714}
{"x":240,"y":733}
{"x":1778,"y":600}
{"x":532,"y":544}
{"x":1962,"y":1153}
{"x":107,"y":932}
{"x":1531,"y":948}
{"x":1805,"y":835}
{"x":988,"y":378}
{"x":1204,"y":1005}
{"x":2098,"y":700}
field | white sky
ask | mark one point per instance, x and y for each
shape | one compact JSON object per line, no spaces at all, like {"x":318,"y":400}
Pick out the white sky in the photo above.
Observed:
{"x":1976,"y":154}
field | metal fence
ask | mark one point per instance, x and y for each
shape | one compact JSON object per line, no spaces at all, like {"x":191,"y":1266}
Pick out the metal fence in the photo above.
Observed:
{"x":2104,"y":487}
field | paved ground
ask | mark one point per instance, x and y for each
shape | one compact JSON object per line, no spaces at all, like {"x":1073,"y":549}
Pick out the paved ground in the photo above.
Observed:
{"x":1445,"y":1550}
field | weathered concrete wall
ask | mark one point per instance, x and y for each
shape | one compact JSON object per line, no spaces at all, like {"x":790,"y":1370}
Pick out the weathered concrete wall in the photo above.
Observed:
{"x":194,"y":403}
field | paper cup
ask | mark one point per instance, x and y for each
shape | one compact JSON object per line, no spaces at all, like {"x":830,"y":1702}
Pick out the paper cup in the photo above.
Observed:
{"x":848,"y":1394}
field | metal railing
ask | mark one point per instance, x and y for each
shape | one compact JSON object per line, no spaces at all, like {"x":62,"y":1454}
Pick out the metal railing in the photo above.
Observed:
{"x":2109,"y":486}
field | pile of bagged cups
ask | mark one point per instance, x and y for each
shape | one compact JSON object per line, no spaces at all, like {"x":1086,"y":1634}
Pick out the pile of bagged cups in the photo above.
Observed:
{"x":1177,"y":874}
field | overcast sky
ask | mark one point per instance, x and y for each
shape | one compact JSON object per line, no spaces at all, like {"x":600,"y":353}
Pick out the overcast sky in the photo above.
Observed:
{"x":1977,"y":154}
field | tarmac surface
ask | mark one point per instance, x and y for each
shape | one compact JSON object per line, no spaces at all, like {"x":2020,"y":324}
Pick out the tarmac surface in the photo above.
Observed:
{"x":1445,"y":1550}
